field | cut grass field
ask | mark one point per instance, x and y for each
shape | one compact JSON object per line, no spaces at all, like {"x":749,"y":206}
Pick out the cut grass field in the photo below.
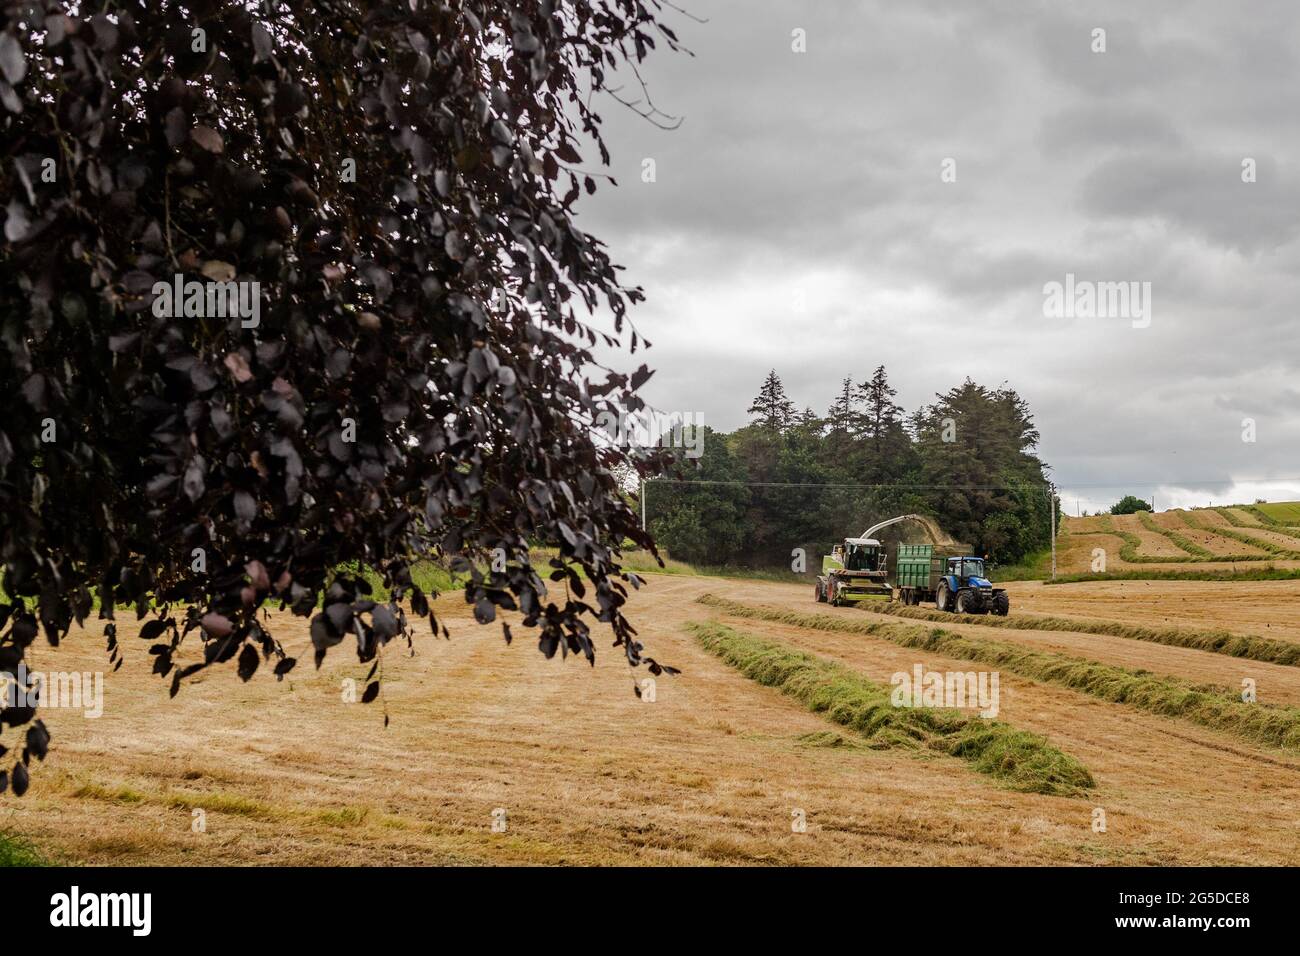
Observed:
{"x":1208,"y":545}
{"x":1021,"y":761}
{"x":1214,"y":640}
{"x":708,"y":773}
{"x":1278,"y":545}
{"x":1179,"y":541}
{"x":1218,"y":708}
{"x":1245,"y":574}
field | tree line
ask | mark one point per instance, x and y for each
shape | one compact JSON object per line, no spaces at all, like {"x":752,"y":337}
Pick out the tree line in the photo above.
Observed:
{"x":795,"y":479}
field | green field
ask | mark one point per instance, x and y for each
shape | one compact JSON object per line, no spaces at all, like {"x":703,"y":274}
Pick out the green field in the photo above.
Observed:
{"x":1283,"y":512}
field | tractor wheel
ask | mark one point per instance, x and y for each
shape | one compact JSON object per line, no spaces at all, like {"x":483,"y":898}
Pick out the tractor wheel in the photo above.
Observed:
{"x":1001,"y":604}
{"x":963,"y":602}
{"x":941,"y":598}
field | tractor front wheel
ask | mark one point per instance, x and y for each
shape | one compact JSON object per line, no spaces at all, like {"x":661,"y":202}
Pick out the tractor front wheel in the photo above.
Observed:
{"x":1001,"y":604}
{"x":963,"y":602}
{"x":941,"y":598}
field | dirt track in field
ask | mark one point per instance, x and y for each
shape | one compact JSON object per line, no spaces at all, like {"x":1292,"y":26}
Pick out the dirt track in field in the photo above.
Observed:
{"x":710,"y":772}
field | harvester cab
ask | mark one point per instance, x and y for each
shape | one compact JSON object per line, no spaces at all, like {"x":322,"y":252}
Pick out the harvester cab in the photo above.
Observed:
{"x":855,"y":570}
{"x":858,"y":554}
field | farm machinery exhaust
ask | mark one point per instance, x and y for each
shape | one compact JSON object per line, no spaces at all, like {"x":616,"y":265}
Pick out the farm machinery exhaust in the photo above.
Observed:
{"x":947,"y":575}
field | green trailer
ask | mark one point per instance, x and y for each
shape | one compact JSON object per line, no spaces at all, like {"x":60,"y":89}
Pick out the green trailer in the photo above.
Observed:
{"x":950,"y":576}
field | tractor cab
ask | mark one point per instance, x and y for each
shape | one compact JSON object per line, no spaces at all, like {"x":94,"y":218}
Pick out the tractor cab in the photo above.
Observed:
{"x":968,"y":570}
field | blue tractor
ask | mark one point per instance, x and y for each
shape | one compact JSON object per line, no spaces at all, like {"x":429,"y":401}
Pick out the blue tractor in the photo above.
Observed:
{"x":953,"y":580}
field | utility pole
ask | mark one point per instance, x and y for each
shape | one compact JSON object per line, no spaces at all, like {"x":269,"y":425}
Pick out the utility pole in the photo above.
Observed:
{"x":642,"y":504}
{"x":1051,"y":505}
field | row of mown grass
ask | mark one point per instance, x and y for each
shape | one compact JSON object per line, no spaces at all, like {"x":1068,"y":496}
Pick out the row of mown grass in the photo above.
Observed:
{"x":1276,"y":550}
{"x":1214,"y":640}
{"x":1218,"y":708}
{"x":1183,"y":544}
{"x":1018,"y":759}
{"x":1129,"y":544}
{"x":1193,"y":553}
{"x":1231,"y":518}
{"x":1268,"y":573}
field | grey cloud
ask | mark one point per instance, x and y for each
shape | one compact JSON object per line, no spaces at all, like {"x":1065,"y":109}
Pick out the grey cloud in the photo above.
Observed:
{"x":1099,"y":128}
{"x":820,"y":171}
{"x":1202,"y":193}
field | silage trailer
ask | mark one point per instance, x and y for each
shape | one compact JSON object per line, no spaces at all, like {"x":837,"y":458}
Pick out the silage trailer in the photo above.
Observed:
{"x":951,"y":577}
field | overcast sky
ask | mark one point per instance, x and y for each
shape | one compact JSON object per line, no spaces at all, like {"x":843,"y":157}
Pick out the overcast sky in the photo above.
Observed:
{"x":799,"y":221}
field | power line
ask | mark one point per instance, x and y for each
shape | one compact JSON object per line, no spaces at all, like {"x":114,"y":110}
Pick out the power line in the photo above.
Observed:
{"x":846,"y":487}
{"x":1004,"y":487}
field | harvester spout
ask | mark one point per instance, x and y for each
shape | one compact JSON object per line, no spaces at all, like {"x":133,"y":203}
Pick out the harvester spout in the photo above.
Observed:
{"x":871,"y":532}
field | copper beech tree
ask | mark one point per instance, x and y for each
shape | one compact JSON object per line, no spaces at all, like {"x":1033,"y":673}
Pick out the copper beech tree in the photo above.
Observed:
{"x":291,"y":288}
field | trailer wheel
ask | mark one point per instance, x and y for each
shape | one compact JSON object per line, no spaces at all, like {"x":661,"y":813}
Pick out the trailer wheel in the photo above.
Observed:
{"x":941,"y":597}
{"x":1001,"y":604}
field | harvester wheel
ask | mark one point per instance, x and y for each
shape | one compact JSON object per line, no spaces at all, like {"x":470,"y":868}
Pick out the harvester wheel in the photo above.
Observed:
{"x":1001,"y":604}
{"x":941,"y":598}
{"x":819,"y":592}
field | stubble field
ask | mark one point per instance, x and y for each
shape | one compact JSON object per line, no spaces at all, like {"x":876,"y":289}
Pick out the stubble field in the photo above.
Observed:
{"x":714,"y":770}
